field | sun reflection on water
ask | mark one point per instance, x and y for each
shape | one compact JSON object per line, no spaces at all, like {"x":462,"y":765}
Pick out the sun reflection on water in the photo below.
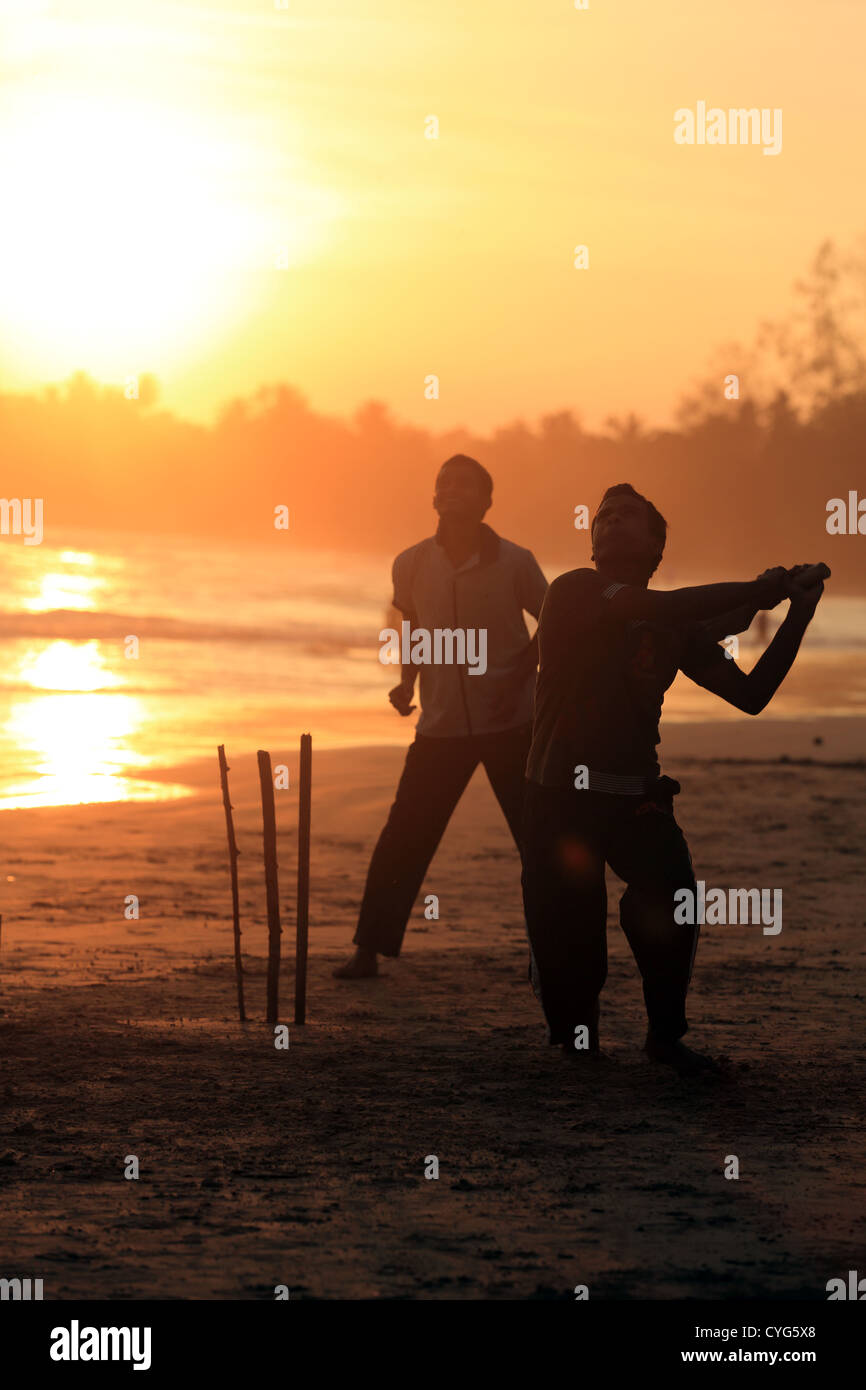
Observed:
{"x":78,"y":739}
{"x":76,"y":588}
{"x":62,"y":665}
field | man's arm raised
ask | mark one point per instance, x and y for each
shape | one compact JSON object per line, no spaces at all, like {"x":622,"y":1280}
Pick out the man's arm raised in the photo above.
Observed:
{"x":729,"y":624}
{"x":752,"y":692}
{"x":701,"y":603}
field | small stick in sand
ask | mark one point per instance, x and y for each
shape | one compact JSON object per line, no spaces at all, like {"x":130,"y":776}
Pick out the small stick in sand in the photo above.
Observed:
{"x":233,"y":862}
{"x":271,"y":883}
{"x":305,"y":788}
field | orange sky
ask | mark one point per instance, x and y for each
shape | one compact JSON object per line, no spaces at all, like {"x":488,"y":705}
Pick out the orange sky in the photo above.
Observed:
{"x":158,"y":159}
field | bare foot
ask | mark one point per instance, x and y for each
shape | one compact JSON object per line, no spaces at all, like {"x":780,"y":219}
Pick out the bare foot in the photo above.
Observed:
{"x":361,"y":966}
{"x":683,"y":1059}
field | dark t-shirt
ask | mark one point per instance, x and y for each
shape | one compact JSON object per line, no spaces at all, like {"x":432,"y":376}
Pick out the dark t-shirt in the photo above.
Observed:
{"x":602,"y":680}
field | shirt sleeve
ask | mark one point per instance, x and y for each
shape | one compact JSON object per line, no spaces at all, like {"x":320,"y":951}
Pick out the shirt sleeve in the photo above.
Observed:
{"x":401,"y":577}
{"x":532,"y":584}
{"x":572,"y":604}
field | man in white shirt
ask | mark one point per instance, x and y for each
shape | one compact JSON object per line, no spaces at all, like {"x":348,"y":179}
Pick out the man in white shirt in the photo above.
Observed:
{"x":466,"y":580}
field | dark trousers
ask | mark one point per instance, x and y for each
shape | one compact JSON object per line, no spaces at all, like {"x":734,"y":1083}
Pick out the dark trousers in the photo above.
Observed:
{"x":434,"y":778}
{"x":568,"y":836}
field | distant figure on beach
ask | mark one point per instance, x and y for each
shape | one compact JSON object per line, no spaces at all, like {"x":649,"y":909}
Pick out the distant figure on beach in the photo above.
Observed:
{"x":466,"y":578}
{"x":608,"y":650}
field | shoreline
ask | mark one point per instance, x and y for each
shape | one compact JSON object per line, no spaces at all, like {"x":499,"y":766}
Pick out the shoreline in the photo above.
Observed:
{"x":724,"y":741}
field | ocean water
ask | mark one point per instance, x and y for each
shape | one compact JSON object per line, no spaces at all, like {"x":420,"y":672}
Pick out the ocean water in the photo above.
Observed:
{"x":247,"y":646}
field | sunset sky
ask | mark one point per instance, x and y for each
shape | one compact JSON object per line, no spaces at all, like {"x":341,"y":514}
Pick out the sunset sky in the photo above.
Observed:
{"x":158,"y":159}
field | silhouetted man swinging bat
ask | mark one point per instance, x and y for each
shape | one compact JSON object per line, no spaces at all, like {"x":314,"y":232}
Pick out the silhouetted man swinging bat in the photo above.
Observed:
{"x":608,"y":650}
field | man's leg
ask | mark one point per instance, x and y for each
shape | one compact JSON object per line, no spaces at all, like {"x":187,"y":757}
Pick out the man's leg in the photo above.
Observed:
{"x":565,"y":900}
{"x":648,"y":850}
{"x":504,"y":758}
{"x":434,"y":778}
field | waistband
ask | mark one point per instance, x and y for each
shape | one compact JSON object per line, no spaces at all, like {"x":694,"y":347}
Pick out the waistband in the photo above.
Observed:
{"x":618,"y":784}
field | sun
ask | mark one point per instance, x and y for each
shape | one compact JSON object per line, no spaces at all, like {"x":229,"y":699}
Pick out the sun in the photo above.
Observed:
{"x":127,"y":231}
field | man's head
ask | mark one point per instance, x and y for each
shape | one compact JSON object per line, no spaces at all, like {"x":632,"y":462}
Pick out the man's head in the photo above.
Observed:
{"x":628,"y":532}
{"x":464,"y":490}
